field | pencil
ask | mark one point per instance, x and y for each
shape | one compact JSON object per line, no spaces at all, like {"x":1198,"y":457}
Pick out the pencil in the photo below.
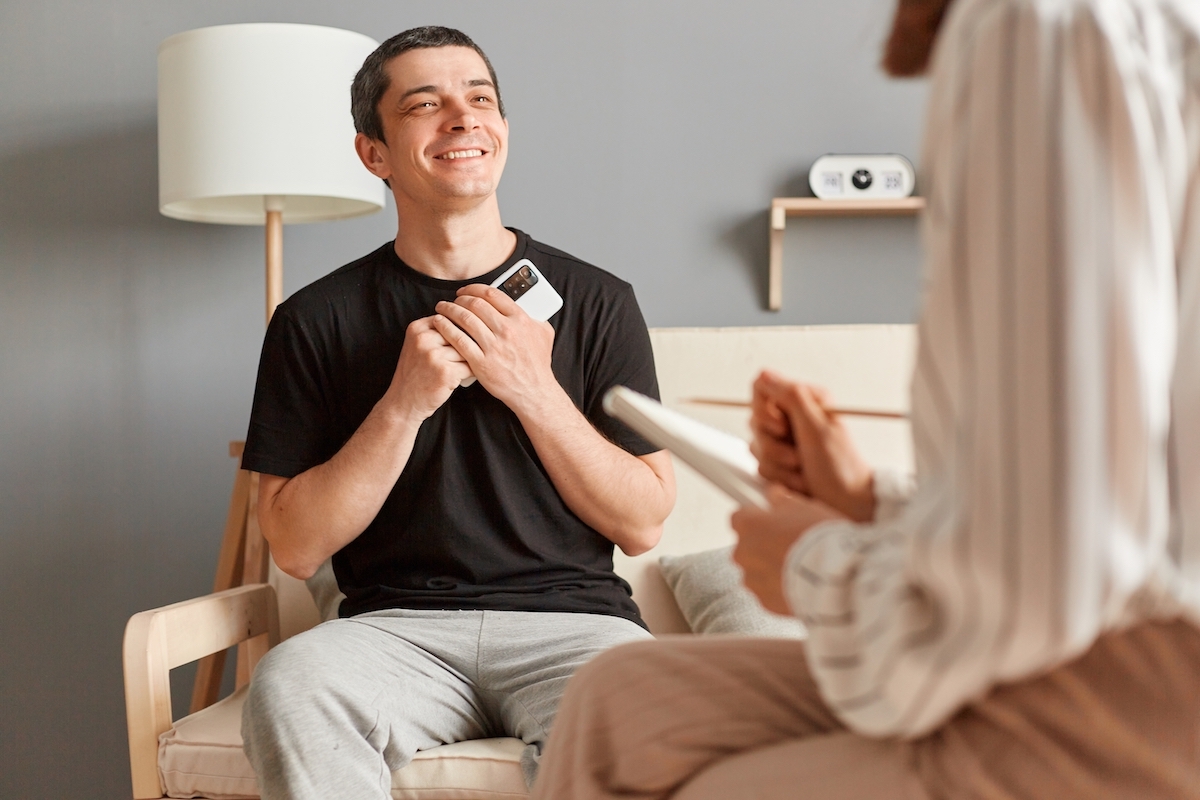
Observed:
{"x":849,"y":412}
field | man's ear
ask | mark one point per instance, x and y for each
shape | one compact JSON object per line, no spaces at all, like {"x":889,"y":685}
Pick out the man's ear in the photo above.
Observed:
{"x":373,"y":155}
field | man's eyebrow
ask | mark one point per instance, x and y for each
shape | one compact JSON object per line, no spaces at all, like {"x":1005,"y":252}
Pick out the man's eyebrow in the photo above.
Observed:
{"x":417,"y":90}
{"x":433,"y":89}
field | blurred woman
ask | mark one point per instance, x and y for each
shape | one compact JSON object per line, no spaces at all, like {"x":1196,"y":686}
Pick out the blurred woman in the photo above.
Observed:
{"x":1023,"y":624}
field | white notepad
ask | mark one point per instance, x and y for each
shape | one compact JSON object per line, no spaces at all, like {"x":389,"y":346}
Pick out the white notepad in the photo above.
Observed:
{"x":723,"y":459}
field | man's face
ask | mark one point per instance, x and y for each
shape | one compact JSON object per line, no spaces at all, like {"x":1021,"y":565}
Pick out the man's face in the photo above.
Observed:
{"x":445,"y":138}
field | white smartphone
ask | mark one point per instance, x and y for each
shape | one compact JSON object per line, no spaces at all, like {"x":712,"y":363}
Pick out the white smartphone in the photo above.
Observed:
{"x":532,"y":292}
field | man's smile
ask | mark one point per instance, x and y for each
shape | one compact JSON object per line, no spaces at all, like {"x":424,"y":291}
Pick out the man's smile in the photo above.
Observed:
{"x":453,"y":154}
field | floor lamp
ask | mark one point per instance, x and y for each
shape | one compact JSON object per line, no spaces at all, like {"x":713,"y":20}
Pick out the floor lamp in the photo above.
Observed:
{"x":254,"y":128}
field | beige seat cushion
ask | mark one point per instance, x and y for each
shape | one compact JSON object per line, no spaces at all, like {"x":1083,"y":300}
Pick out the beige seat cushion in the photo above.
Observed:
{"x":202,"y":757}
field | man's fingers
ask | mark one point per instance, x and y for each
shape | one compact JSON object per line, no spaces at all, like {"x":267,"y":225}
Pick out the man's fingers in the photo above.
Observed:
{"x":433,"y":342}
{"x":418,"y":325}
{"x":430,"y":339}
{"x":494,"y":297}
{"x":481,"y":308}
{"x":451,"y":353}
{"x":460,"y":370}
{"x":424,"y":335}
{"x":457,"y":338}
{"x":467,"y":322}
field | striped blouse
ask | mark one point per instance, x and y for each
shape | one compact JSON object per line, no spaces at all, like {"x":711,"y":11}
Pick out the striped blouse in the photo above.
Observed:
{"x":1056,"y":397}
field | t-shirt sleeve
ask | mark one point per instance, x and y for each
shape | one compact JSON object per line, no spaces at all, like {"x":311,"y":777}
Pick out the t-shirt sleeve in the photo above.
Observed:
{"x":623,"y":357}
{"x":289,"y":419}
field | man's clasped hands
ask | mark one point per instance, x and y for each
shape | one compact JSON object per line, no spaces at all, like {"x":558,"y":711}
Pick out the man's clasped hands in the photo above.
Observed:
{"x":483,"y":333}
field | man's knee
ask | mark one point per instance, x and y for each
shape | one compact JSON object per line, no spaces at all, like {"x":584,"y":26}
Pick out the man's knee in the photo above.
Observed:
{"x":293,"y":683}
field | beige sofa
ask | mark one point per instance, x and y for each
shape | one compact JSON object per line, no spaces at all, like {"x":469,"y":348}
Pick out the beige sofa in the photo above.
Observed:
{"x":865,"y":366}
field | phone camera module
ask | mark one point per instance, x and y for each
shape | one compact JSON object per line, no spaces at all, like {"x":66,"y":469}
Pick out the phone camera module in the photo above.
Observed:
{"x":520,"y":283}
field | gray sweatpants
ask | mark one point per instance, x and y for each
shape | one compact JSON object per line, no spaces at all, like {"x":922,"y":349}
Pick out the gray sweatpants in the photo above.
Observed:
{"x":334,"y":710}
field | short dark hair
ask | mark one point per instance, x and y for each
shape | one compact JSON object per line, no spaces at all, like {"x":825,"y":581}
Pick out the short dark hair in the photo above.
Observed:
{"x":372,"y":80}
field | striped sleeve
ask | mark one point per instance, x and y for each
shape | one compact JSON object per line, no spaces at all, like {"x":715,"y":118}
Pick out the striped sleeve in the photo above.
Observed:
{"x":1054,"y":163}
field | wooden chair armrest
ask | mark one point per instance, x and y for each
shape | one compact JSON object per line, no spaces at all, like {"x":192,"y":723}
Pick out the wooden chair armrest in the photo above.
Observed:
{"x":156,"y":641}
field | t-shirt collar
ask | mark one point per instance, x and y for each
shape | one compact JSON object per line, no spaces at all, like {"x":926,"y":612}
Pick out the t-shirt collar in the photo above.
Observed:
{"x":410,"y":274}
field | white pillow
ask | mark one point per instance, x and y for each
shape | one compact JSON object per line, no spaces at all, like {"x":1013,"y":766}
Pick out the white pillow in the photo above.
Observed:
{"x":708,"y":588}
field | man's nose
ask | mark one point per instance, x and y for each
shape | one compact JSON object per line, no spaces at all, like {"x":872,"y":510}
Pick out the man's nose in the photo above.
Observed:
{"x":462,"y":118}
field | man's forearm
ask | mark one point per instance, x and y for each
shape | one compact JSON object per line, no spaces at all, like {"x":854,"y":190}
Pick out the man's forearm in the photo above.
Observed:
{"x":624,"y":497}
{"x":311,"y":516}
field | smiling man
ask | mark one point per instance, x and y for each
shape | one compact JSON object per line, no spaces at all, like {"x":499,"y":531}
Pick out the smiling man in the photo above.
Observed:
{"x":471,"y":528}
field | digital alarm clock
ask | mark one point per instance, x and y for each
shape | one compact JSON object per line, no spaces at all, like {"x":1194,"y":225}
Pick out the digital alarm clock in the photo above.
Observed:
{"x":837,"y":177}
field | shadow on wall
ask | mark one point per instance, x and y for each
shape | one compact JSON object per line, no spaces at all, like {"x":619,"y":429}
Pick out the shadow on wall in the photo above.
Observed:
{"x":105,"y":510}
{"x":748,"y":237}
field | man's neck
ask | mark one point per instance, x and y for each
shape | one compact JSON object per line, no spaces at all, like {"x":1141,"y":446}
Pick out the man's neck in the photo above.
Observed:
{"x":453,"y":245}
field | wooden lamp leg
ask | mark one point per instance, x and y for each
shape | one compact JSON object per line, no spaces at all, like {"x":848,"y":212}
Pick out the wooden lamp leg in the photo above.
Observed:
{"x":244,"y":554}
{"x":243,"y":560}
{"x":254,"y":570}
{"x":274,"y":207}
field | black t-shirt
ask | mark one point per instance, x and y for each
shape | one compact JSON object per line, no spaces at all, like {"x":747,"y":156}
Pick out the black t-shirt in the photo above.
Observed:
{"x":474,"y":521}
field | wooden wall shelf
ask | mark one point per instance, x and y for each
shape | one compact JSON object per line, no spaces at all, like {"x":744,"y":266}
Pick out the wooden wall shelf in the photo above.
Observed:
{"x":784,"y":207}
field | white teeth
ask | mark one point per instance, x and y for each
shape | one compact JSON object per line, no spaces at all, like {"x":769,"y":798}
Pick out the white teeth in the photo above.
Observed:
{"x":461,"y":154}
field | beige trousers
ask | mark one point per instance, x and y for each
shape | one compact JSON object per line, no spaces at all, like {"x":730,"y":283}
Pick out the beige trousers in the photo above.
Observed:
{"x":714,"y":718}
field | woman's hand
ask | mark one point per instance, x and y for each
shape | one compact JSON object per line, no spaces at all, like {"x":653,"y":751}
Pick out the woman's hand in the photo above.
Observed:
{"x":806,"y":448}
{"x":765,"y":537}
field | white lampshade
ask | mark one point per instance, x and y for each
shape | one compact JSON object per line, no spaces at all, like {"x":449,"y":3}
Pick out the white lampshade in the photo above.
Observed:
{"x":258,"y":114}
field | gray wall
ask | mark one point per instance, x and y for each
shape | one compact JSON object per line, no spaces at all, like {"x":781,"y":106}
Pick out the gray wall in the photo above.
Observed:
{"x":647,"y":137}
